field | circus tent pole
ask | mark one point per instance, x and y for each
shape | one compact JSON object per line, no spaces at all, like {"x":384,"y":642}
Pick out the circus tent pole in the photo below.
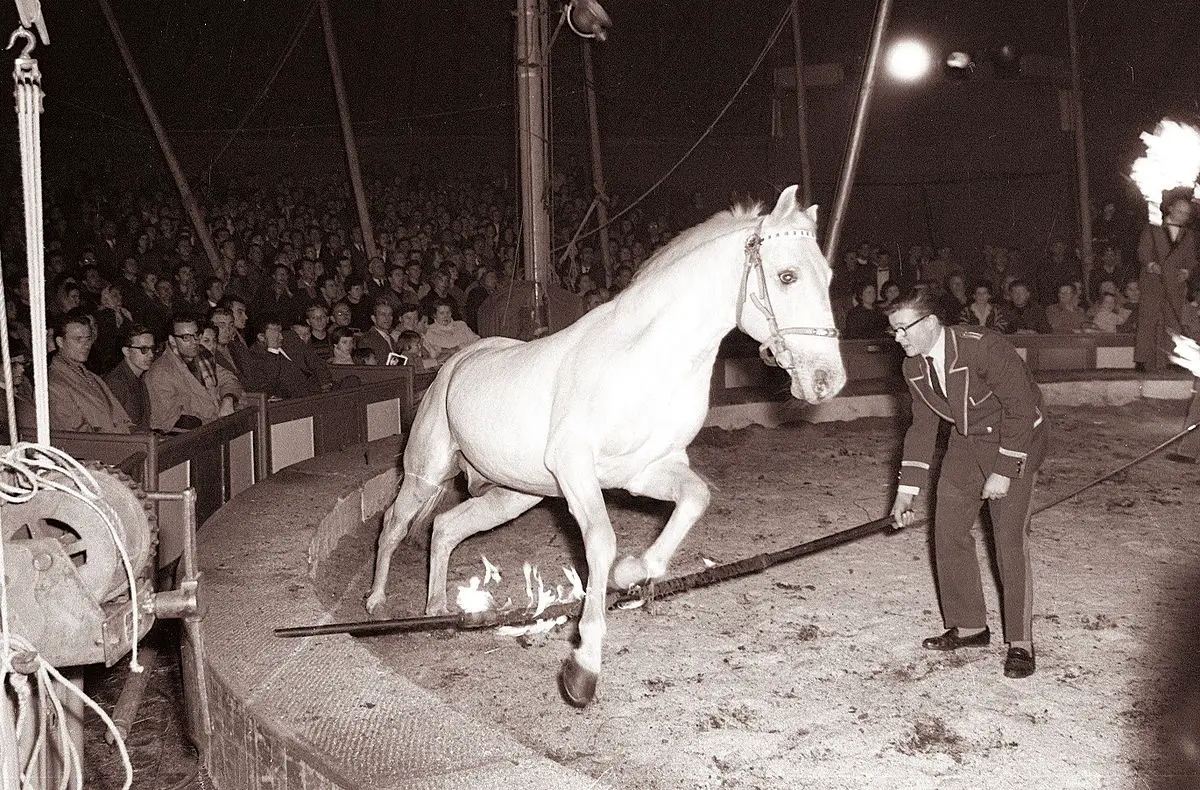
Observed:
{"x":339,"y":90}
{"x":1081,"y":168}
{"x":865,"y":91}
{"x":531,"y":133}
{"x":806,"y":194}
{"x":589,"y":79}
{"x":185,"y":192}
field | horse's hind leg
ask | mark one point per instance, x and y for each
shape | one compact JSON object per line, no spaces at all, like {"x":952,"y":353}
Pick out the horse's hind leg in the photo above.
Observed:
{"x":490,"y":509}
{"x":673,"y":480}
{"x":414,"y":503}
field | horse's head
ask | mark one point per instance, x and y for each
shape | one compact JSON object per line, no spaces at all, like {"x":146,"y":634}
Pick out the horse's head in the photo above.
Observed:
{"x":784,"y":300}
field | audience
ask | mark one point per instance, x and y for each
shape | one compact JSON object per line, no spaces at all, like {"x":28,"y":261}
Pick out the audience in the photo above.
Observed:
{"x":186,"y":389}
{"x":79,"y":399}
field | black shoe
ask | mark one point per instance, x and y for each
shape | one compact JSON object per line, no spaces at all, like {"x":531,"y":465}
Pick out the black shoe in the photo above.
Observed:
{"x":952,"y":641}
{"x":1019,"y":663}
{"x":1179,"y":458}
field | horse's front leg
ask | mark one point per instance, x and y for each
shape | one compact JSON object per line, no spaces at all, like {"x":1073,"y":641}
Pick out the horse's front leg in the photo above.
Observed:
{"x":670,"y":479}
{"x":576,"y":475}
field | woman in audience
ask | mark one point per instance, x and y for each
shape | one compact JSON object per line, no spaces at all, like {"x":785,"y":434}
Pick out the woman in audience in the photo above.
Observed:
{"x":863,"y":321}
{"x":111,"y":318}
{"x":344,"y":343}
{"x":982,"y":311}
{"x":1106,"y":314}
{"x":445,"y":336}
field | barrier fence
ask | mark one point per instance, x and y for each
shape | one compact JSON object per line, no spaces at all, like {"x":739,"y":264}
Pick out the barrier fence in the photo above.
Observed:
{"x":226,"y":456}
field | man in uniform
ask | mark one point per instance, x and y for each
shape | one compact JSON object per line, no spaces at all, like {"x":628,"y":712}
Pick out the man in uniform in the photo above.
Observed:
{"x":974,"y":379}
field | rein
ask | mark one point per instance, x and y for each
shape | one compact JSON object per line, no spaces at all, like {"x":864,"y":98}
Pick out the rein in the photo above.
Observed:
{"x":774,"y":350}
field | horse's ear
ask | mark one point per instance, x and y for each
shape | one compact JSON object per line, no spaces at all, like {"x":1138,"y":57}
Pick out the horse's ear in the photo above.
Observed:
{"x":811,"y":213}
{"x":786,"y":204}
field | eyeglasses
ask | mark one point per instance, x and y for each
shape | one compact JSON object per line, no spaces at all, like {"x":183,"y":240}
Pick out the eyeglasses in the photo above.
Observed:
{"x":187,"y":337}
{"x":143,"y":349}
{"x":896,"y":330}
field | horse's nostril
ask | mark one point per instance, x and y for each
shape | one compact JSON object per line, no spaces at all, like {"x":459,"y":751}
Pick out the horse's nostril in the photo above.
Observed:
{"x":821,"y":383}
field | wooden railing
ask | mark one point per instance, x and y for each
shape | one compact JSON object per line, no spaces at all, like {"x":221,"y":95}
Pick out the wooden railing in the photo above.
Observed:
{"x":224,"y":457}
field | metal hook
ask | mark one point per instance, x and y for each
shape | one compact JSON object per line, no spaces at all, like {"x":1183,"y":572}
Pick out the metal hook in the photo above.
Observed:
{"x":30,"y":41}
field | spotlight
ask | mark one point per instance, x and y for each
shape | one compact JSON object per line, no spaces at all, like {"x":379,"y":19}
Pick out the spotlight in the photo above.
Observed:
{"x":908,"y":60}
{"x":589,"y":19}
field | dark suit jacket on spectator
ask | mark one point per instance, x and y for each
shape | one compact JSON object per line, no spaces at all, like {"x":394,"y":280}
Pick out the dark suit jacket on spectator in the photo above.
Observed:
{"x":131,"y":390}
{"x":380,"y":345}
{"x":276,"y":375}
{"x":308,"y":358}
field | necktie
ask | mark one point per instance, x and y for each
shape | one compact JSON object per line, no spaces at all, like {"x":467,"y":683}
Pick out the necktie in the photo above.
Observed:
{"x":935,"y":376}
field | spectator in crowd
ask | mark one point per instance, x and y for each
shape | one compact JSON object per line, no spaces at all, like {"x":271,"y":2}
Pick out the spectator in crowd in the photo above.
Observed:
{"x":439,"y":293}
{"x":316,"y":318}
{"x":297,"y":345}
{"x":343,"y":342}
{"x":410,"y":319}
{"x":79,"y":399}
{"x":126,"y":379}
{"x":330,"y":290}
{"x":976,"y":379}
{"x":1167,"y":256}
{"x":361,"y":308}
{"x":1110,"y":269}
{"x":185,"y":389}
{"x":269,"y":369}
{"x":221,"y":319}
{"x":276,"y":297}
{"x":68,"y":296}
{"x":1106,"y":315}
{"x":863,"y":321}
{"x":445,"y":335}
{"x":888,"y":292}
{"x":1026,"y":316}
{"x":214,"y":292}
{"x":379,"y":337}
{"x":1131,"y":297}
{"x":110,"y":319}
{"x":983,"y":311}
{"x":953,"y":299}
{"x":1066,"y":315}
{"x":22,"y":393}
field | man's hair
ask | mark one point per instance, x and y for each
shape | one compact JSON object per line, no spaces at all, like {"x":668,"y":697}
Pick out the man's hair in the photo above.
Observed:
{"x":228,"y":300}
{"x":130,"y":331}
{"x":76,"y":316}
{"x":220,"y":309}
{"x":338,"y":332}
{"x":326,"y":279}
{"x":183,"y":318}
{"x":270,"y":319}
{"x":408,"y":335}
{"x":1019,"y":283}
{"x":920,"y":302}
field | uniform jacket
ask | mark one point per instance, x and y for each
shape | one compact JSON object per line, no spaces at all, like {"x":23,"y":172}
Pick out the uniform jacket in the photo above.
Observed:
{"x":81,"y":401}
{"x":174,"y":392}
{"x":989,"y":393}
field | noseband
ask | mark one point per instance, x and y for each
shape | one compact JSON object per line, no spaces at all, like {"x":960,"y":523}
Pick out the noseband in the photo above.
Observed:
{"x":774,"y":350}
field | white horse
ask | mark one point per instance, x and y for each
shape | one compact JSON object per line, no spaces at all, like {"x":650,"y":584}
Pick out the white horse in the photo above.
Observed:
{"x":613,"y":401}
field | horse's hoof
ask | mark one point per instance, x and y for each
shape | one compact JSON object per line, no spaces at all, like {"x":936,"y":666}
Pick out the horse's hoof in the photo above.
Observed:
{"x":374,"y":601}
{"x":578,"y":684}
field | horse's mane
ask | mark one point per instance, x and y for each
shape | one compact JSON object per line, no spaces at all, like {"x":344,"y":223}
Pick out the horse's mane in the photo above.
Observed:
{"x":715,"y":226}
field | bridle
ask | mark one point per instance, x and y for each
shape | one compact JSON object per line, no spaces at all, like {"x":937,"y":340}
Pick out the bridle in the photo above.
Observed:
{"x":774,"y":350}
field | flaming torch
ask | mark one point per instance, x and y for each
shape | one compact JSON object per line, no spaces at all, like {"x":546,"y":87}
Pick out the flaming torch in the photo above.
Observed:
{"x":1172,"y":160}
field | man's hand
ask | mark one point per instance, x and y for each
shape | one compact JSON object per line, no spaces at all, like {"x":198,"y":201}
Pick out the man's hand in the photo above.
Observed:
{"x":902,"y":512}
{"x":226,"y":406}
{"x":1153,"y":267}
{"x":995,"y":487}
{"x":1182,"y":275}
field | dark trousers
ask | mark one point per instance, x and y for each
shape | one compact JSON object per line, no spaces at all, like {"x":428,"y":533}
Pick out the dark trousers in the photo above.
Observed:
{"x":1190,"y":444}
{"x":960,"y":587}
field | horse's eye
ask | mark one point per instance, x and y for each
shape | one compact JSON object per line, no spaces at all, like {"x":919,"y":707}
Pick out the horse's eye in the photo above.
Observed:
{"x":787,"y":277}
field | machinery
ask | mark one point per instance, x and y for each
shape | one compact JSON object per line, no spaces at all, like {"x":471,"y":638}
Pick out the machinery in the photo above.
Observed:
{"x":68,"y":562}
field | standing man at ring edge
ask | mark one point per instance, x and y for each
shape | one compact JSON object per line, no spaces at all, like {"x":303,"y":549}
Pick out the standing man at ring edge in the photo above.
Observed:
{"x":974,"y":379}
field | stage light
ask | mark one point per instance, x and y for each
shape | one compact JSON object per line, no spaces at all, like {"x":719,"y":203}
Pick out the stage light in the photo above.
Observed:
{"x":588,"y":18}
{"x":908,"y":60}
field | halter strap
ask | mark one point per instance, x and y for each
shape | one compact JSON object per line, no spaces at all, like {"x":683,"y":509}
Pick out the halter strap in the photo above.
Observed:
{"x":761,"y":298}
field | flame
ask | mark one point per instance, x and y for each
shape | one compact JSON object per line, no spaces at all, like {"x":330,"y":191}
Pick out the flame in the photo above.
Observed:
{"x":491,"y":572}
{"x":474,"y":598}
{"x":1172,"y":160}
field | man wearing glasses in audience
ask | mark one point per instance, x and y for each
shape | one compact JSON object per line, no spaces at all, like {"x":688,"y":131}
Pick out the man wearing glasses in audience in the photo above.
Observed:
{"x":187,"y":390}
{"x":974,"y":379}
{"x":125,"y":380}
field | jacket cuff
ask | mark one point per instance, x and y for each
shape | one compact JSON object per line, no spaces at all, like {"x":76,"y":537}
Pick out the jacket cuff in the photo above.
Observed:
{"x":1010,"y":463}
